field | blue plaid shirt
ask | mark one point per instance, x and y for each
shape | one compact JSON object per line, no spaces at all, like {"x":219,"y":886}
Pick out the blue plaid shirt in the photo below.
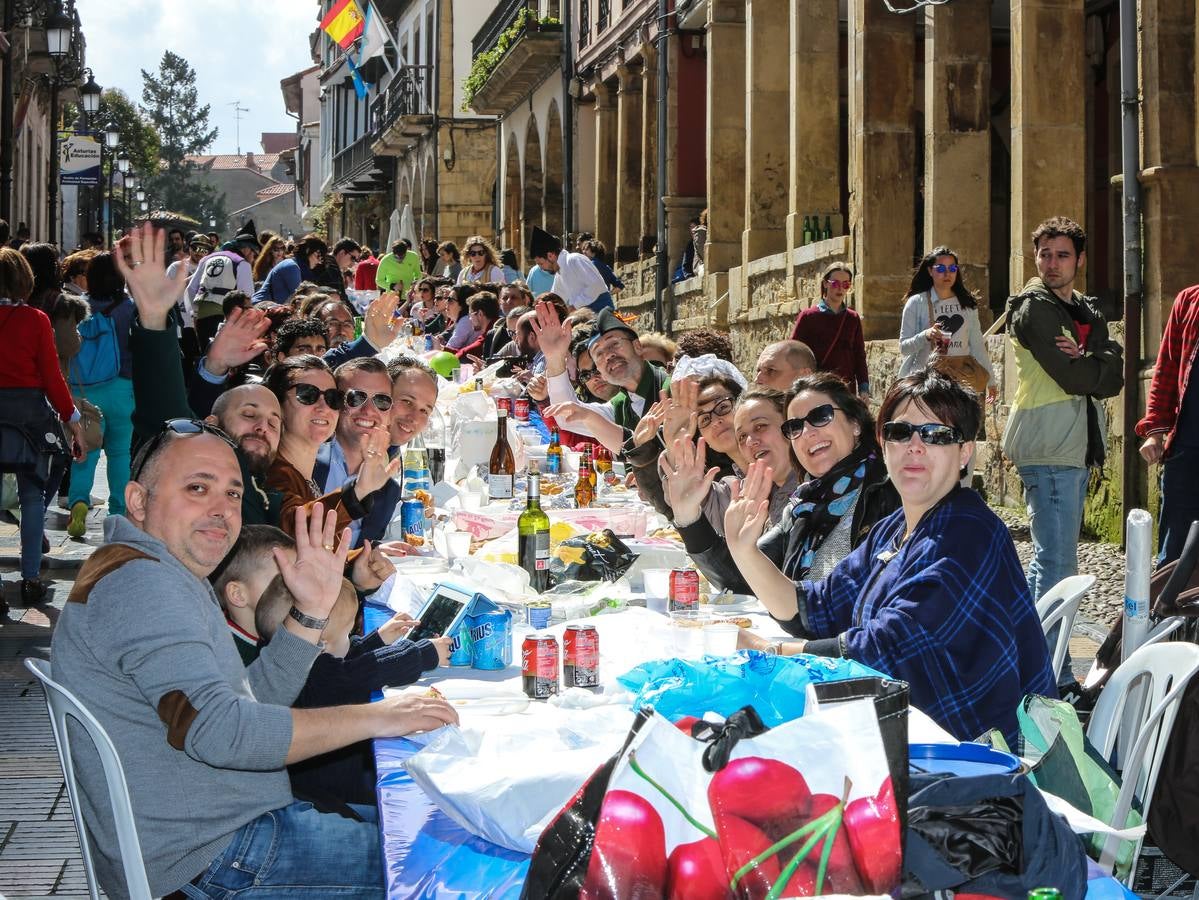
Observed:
{"x":947,"y":611}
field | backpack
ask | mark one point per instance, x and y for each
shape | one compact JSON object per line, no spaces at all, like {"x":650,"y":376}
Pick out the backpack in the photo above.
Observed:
{"x":99,"y":356}
{"x":218,"y":278}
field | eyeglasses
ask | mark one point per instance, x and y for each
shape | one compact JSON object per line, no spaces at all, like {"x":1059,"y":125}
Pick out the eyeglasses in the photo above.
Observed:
{"x":354,"y":257}
{"x":720,"y":408}
{"x":426,"y":290}
{"x":941,"y":270}
{"x":174,"y":426}
{"x":588,"y":374}
{"x":356,"y":398}
{"x":475,"y":253}
{"x":817,"y":418}
{"x":931,"y":433}
{"x":843,"y":285}
{"x":598,"y":352}
{"x":308,"y":394}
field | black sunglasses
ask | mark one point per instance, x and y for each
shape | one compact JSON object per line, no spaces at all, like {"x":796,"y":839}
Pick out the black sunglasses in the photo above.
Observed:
{"x":356,"y":398}
{"x":817,"y":418}
{"x":173,"y":426}
{"x":931,"y":433}
{"x":308,"y":394}
{"x":721,"y":407}
{"x":588,"y":374}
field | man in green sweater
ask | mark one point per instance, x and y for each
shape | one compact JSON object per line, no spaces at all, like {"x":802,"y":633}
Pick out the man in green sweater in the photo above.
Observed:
{"x":399,"y":269}
{"x":202,"y":738}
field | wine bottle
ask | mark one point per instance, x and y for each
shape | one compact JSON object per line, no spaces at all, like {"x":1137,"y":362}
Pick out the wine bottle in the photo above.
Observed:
{"x":806,"y":237}
{"x":828,"y":228}
{"x":584,"y":492}
{"x":502,"y":469}
{"x":533,"y":538}
{"x":553,"y":454}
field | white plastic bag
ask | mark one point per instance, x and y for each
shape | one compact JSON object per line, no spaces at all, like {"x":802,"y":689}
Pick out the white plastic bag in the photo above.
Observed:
{"x":473,"y":433}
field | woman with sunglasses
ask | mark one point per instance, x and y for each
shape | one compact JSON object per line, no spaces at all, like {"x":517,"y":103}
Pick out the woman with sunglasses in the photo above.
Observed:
{"x":834,"y":330}
{"x":310,"y":401}
{"x":941,"y":315}
{"x":935,"y":595}
{"x":459,"y":330}
{"x":483,"y":263}
{"x":843,"y":493}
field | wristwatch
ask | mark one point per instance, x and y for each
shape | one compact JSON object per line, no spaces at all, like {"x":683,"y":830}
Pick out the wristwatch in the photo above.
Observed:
{"x":308,"y":621}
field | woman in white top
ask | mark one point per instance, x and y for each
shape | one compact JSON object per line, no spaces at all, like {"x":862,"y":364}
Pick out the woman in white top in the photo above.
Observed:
{"x":941,"y":314}
{"x":483,"y":263}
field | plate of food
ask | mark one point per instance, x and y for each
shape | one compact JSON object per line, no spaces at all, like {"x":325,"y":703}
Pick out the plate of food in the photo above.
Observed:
{"x":728,"y":602}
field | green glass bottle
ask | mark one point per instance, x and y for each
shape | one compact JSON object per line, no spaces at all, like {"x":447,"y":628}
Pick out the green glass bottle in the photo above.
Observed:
{"x":807,"y":230}
{"x":533,"y":538}
{"x":1045,"y":893}
{"x":828,"y":228}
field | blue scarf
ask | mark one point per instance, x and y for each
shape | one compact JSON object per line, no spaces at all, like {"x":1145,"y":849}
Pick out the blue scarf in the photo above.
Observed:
{"x":822,"y":502}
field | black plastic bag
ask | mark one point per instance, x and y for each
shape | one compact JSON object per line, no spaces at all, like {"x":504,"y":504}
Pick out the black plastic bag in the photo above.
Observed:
{"x":599,"y":556}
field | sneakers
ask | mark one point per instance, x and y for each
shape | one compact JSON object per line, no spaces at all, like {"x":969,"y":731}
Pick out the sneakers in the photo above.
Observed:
{"x":77,"y":525}
{"x":33,"y":592}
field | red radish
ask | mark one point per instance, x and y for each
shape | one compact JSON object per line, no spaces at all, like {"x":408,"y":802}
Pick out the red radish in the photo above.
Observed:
{"x":629,"y":856}
{"x":741,"y":841}
{"x":872,"y":826}
{"x":841,"y":877}
{"x":758,"y":790}
{"x":696,"y":872}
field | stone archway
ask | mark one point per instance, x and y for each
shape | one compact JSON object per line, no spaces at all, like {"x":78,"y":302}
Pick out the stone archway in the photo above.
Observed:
{"x":532,"y":209}
{"x":554,"y":173}
{"x":513,"y":235}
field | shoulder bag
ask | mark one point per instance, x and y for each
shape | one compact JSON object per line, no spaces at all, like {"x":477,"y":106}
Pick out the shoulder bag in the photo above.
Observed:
{"x":964,"y":369}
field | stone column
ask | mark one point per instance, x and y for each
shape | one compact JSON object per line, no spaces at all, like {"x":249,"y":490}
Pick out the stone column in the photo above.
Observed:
{"x":882,"y":161}
{"x":649,"y":140}
{"x":766,"y":127}
{"x":1171,"y":176}
{"x":605,"y":164}
{"x":815,"y":120}
{"x":1048,"y":134}
{"x":628,"y":163}
{"x":725,"y":134}
{"x":957,"y":136}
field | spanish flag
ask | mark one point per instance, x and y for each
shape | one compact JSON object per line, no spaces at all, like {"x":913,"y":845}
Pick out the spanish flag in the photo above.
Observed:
{"x":343,"y":23}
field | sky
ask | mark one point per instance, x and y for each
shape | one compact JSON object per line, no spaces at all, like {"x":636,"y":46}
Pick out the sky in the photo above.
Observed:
{"x":240,"y":50}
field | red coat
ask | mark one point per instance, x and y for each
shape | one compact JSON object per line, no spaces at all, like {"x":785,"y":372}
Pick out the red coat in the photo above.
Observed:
{"x":837,"y":342}
{"x":1173,"y":369}
{"x":29,"y":358}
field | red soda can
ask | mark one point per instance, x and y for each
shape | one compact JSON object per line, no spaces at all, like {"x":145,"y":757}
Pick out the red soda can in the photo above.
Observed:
{"x":580,"y":656}
{"x":504,"y":403}
{"x":684,"y":589}
{"x":521,"y":409}
{"x":539,"y":665}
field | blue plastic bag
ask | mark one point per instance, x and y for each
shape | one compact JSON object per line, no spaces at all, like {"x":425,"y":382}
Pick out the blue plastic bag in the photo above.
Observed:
{"x":773,"y":685}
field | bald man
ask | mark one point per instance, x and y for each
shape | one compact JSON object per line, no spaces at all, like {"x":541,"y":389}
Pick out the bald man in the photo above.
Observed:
{"x":780,"y":363}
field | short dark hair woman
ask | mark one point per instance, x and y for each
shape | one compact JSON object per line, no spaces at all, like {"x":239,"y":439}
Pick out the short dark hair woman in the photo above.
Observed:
{"x":283,"y":279}
{"x":935,"y":595}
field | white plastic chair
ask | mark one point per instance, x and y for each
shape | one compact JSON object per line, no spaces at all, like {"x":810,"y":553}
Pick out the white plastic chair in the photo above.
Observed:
{"x":62,"y":704}
{"x":1153,"y":679}
{"x":1066,"y":596}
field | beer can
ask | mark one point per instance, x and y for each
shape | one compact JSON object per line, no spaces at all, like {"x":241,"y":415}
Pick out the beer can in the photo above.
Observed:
{"x":580,"y":656}
{"x":539,"y":665}
{"x":539,"y":612}
{"x":504,"y":403}
{"x":460,"y":649}
{"x":684,"y":589}
{"x":521,"y":409}
{"x":491,"y":639}
{"x":412,"y":519}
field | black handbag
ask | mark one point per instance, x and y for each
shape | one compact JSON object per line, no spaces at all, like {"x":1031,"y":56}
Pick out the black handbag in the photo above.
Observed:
{"x":31,"y":433}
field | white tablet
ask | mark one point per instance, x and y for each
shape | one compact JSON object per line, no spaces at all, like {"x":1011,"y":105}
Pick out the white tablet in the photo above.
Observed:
{"x":442,"y":613}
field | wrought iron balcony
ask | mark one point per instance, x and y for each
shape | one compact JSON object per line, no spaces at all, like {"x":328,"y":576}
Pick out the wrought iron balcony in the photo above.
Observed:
{"x":497,"y":23}
{"x":404,"y":111}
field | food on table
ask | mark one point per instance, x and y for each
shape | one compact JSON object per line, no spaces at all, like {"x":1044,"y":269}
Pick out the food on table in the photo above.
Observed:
{"x":739,"y":621}
{"x":667,"y":533}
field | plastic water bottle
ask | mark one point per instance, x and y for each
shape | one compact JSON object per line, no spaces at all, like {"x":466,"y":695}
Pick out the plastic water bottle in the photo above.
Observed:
{"x":416,"y":468}
{"x":436,"y":442}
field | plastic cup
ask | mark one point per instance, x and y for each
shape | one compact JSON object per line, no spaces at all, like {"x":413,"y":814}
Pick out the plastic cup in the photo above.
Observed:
{"x":472,"y":500}
{"x":656,"y":604}
{"x":457,"y":544}
{"x":657,"y":584}
{"x":720,"y":638}
{"x":687,"y":633}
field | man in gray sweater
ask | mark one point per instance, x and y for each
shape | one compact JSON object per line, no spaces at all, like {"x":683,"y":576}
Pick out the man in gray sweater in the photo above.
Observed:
{"x":203,"y":739}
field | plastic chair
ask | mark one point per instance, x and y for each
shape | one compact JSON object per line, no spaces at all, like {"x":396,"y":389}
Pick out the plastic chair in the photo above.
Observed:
{"x":1143,"y":694}
{"x":1060,"y":604}
{"x":62,"y":704}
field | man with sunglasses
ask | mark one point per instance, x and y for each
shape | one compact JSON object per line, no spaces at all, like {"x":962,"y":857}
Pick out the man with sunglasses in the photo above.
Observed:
{"x":204,"y":739}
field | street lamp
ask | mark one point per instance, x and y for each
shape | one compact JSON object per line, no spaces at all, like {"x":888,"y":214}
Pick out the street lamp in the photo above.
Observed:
{"x":112,"y":137}
{"x":58,"y":33}
{"x":140,"y":195}
{"x":122,"y":164}
{"x":89,"y":94}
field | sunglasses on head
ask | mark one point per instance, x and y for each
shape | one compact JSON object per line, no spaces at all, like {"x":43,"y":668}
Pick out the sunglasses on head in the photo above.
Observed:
{"x":817,"y":418}
{"x":942,"y":269}
{"x":931,"y":433}
{"x":356,"y":398}
{"x":308,"y":394}
{"x":721,"y":407}
{"x":174,"y":426}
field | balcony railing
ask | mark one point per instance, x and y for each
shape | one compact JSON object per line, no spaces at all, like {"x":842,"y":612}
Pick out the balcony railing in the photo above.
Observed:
{"x":351,"y":159}
{"x":584,"y":23}
{"x":409,"y":94}
{"x":497,"y":23}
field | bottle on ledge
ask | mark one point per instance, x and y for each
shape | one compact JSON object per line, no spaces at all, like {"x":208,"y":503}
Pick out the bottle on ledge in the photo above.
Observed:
{"x":502,"y":469}
{"x":533,"y":537}
{"x":806,"y":236}
{"x":553,"y":454}
{"x":828,"y":228}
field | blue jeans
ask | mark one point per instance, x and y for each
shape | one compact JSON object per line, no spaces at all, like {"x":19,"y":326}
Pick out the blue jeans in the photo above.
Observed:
{"x":115,"y":399}
{"x":34,"y":497}
{"x":1055,"y":496}
{"x":602,"y":302}
{"x":1180,"y":502}
{"x":296,"y":851}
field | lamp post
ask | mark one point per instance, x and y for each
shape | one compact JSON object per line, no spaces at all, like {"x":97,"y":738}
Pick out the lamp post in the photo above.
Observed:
{"x":122,"y":166}
{"x":112,"y":140}
{"x":130,"y":185}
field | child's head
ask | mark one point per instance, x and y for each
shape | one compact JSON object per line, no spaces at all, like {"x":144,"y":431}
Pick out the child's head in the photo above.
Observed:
{"x":248,"y":569}
{"x":276,"y":600}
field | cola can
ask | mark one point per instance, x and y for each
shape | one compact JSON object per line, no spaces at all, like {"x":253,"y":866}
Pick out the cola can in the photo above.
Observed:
{"x":539,"y":665}
{"x":684,"y":589}
{"x":504,"y":403}
{"x":580,"y":656}
{"x":521,"y":409}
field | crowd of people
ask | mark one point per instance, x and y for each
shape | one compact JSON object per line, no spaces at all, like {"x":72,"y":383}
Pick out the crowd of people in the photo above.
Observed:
{"x":253,"y":438}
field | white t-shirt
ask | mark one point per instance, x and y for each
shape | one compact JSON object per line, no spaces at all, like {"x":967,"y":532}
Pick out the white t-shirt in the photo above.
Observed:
{"x":949,"y":316}
{"x":578,"y":281}
{"x":185,"y":304}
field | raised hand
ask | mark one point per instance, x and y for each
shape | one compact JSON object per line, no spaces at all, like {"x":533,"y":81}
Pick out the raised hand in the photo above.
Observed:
{"x":376,"y":468}
{"x":153,"y":292}
{"x":687,"y":484}
{"x":314,"y":577}
{"x":553,"y":335}
{"x":681,"y":414}
{"x":238,"y":342}
{"x":647,"y":429}
{"x":747,"y":514}
{"x":370,"y":568}
{"x":379,"y":323}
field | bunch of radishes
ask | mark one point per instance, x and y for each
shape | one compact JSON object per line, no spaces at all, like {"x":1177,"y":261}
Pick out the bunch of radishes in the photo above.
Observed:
{"x":774,"y":838}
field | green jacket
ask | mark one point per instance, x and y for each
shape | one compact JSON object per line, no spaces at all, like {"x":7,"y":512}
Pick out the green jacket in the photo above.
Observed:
{"x":653,"y":380}
{"x":394,"y":272}
{"x":159,"y":394}
{"x":1047,"y":424}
